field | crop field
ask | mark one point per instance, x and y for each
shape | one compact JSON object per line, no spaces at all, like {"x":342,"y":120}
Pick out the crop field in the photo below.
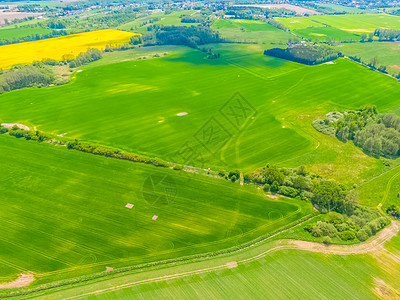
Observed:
{"x":332,"y":8}
{"x":387,"y":53}
{"x":323,"y":33}
{"x":250,"y":31}
{"x":278,"y":90}
{"x":356,"y":23}
{"x":76,"y":222}
{"x":265,"y":271}
{"x":15,"y":33}
{"x":56,"y":48}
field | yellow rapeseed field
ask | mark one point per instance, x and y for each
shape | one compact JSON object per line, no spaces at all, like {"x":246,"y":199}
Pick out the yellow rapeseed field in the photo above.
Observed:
{"x":60,"y":48}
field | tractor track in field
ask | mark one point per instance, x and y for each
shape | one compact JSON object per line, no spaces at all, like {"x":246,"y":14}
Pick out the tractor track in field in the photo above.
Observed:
{"x":374,"y":246}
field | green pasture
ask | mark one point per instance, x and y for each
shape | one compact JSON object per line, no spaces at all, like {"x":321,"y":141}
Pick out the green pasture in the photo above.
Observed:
{"x":323,"y":33}
{"x":250,"y":31}
{"x":387,"y":53}
{"x":63,"y":212}
{"x":123,"y":104}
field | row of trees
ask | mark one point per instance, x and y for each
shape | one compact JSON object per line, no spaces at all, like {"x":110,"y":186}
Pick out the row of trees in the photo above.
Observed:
{"x":305,"y":54}
{"x":387,"y":34}
{"x":85,"y":58}
{"x":192,"y":36}
{"x":325,"y":195}
{"x":377,"y":134}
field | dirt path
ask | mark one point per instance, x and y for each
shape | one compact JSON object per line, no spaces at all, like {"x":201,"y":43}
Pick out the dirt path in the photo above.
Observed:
{"x":373,"y":246}
{"x":21,"y":281}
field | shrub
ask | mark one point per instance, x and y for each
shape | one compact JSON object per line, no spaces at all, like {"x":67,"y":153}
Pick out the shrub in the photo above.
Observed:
{"x":274,"y":187}
{"x":327,"y":241}
{"x":288,"y":191}
{"x":266,"y":188}
{"x":178,"y":167}
{"x":347,"y":235}
{"x":324,"y":229}
{"x":362,"y":235}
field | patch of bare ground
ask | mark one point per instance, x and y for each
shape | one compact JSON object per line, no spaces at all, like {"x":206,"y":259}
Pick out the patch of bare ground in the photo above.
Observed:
{"x":23,"y":280}
{"x":11,"y":125}
{"x":372,"y":246}
{"x":385,"y":291}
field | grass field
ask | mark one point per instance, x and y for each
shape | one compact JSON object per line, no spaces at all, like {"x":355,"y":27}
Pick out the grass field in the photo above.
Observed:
{"x":25,"y":53}
{"x":322,"y":33}
{"x":250,"y":31}
{"x":355,"y":23}
{"x":335,"y":8}
{"x":75,"y":221}
{"x":160,"y":18}
{"x":388,"y":53}
{"x":16,"y":33}
{"x":135,"y":96}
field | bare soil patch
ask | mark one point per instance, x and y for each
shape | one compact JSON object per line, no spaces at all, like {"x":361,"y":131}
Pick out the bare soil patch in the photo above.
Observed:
{"x":11,"y":125}
{"x":21,"y":281}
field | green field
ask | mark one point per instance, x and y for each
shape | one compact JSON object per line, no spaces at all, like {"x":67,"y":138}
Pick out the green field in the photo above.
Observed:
{"x":20,"y":32}
{"x":249,"y":31}
{"x":322,"y":33}
{"x":65,"y":210}
{"x":334,"y":8}
{"x":356,"y":23}
{"x":386,"y":52}
{"x":160,"y":18}
{"x":263,"y":272}
{"x":136,"y":95}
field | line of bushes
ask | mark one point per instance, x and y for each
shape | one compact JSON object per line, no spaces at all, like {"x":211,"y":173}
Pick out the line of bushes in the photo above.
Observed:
{"x":362,"y":224}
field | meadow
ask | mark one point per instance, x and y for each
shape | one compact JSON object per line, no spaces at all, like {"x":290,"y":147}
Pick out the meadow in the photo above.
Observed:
{"x":143,"y":98}
{"x":76,"y":222}
{"x":250,"y":31}
{"x":57,"y":48}
{"x":353,"y":23}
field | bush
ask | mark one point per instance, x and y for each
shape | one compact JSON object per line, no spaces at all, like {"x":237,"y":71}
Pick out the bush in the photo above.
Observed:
{"x":266,"y":188}
{"x":347,"y":235}
{"x":178,"y":167}
{"x":362,"y":235}
{"x":324,"y":229}
{"x":274,"y":187}
{"x":327,"y":241}
{"x":288,"y":191}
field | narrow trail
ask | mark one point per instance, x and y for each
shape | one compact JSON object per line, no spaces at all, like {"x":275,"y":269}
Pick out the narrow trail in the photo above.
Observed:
{"x":374,"y":246}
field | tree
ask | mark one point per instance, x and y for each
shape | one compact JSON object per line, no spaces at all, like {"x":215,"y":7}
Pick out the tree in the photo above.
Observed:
{"x":274,"y":187}
{"x":363,"y":37}
{"x":329,"y":196}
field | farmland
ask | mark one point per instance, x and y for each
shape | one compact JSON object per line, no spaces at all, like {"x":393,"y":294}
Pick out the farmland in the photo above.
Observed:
{"x":250,"y":31}
{"x":103,"y":232}
{"x":359,"y":23}
{"x":273,"y":87}
{"x":261,"y":272}
{"x":56,"y":48}
{"x":387,"y":53}
{"x":190,"y":163}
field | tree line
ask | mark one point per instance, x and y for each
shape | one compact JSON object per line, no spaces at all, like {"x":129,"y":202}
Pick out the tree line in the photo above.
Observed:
{"x":191,"y":36}
{"x":305,"y":54}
